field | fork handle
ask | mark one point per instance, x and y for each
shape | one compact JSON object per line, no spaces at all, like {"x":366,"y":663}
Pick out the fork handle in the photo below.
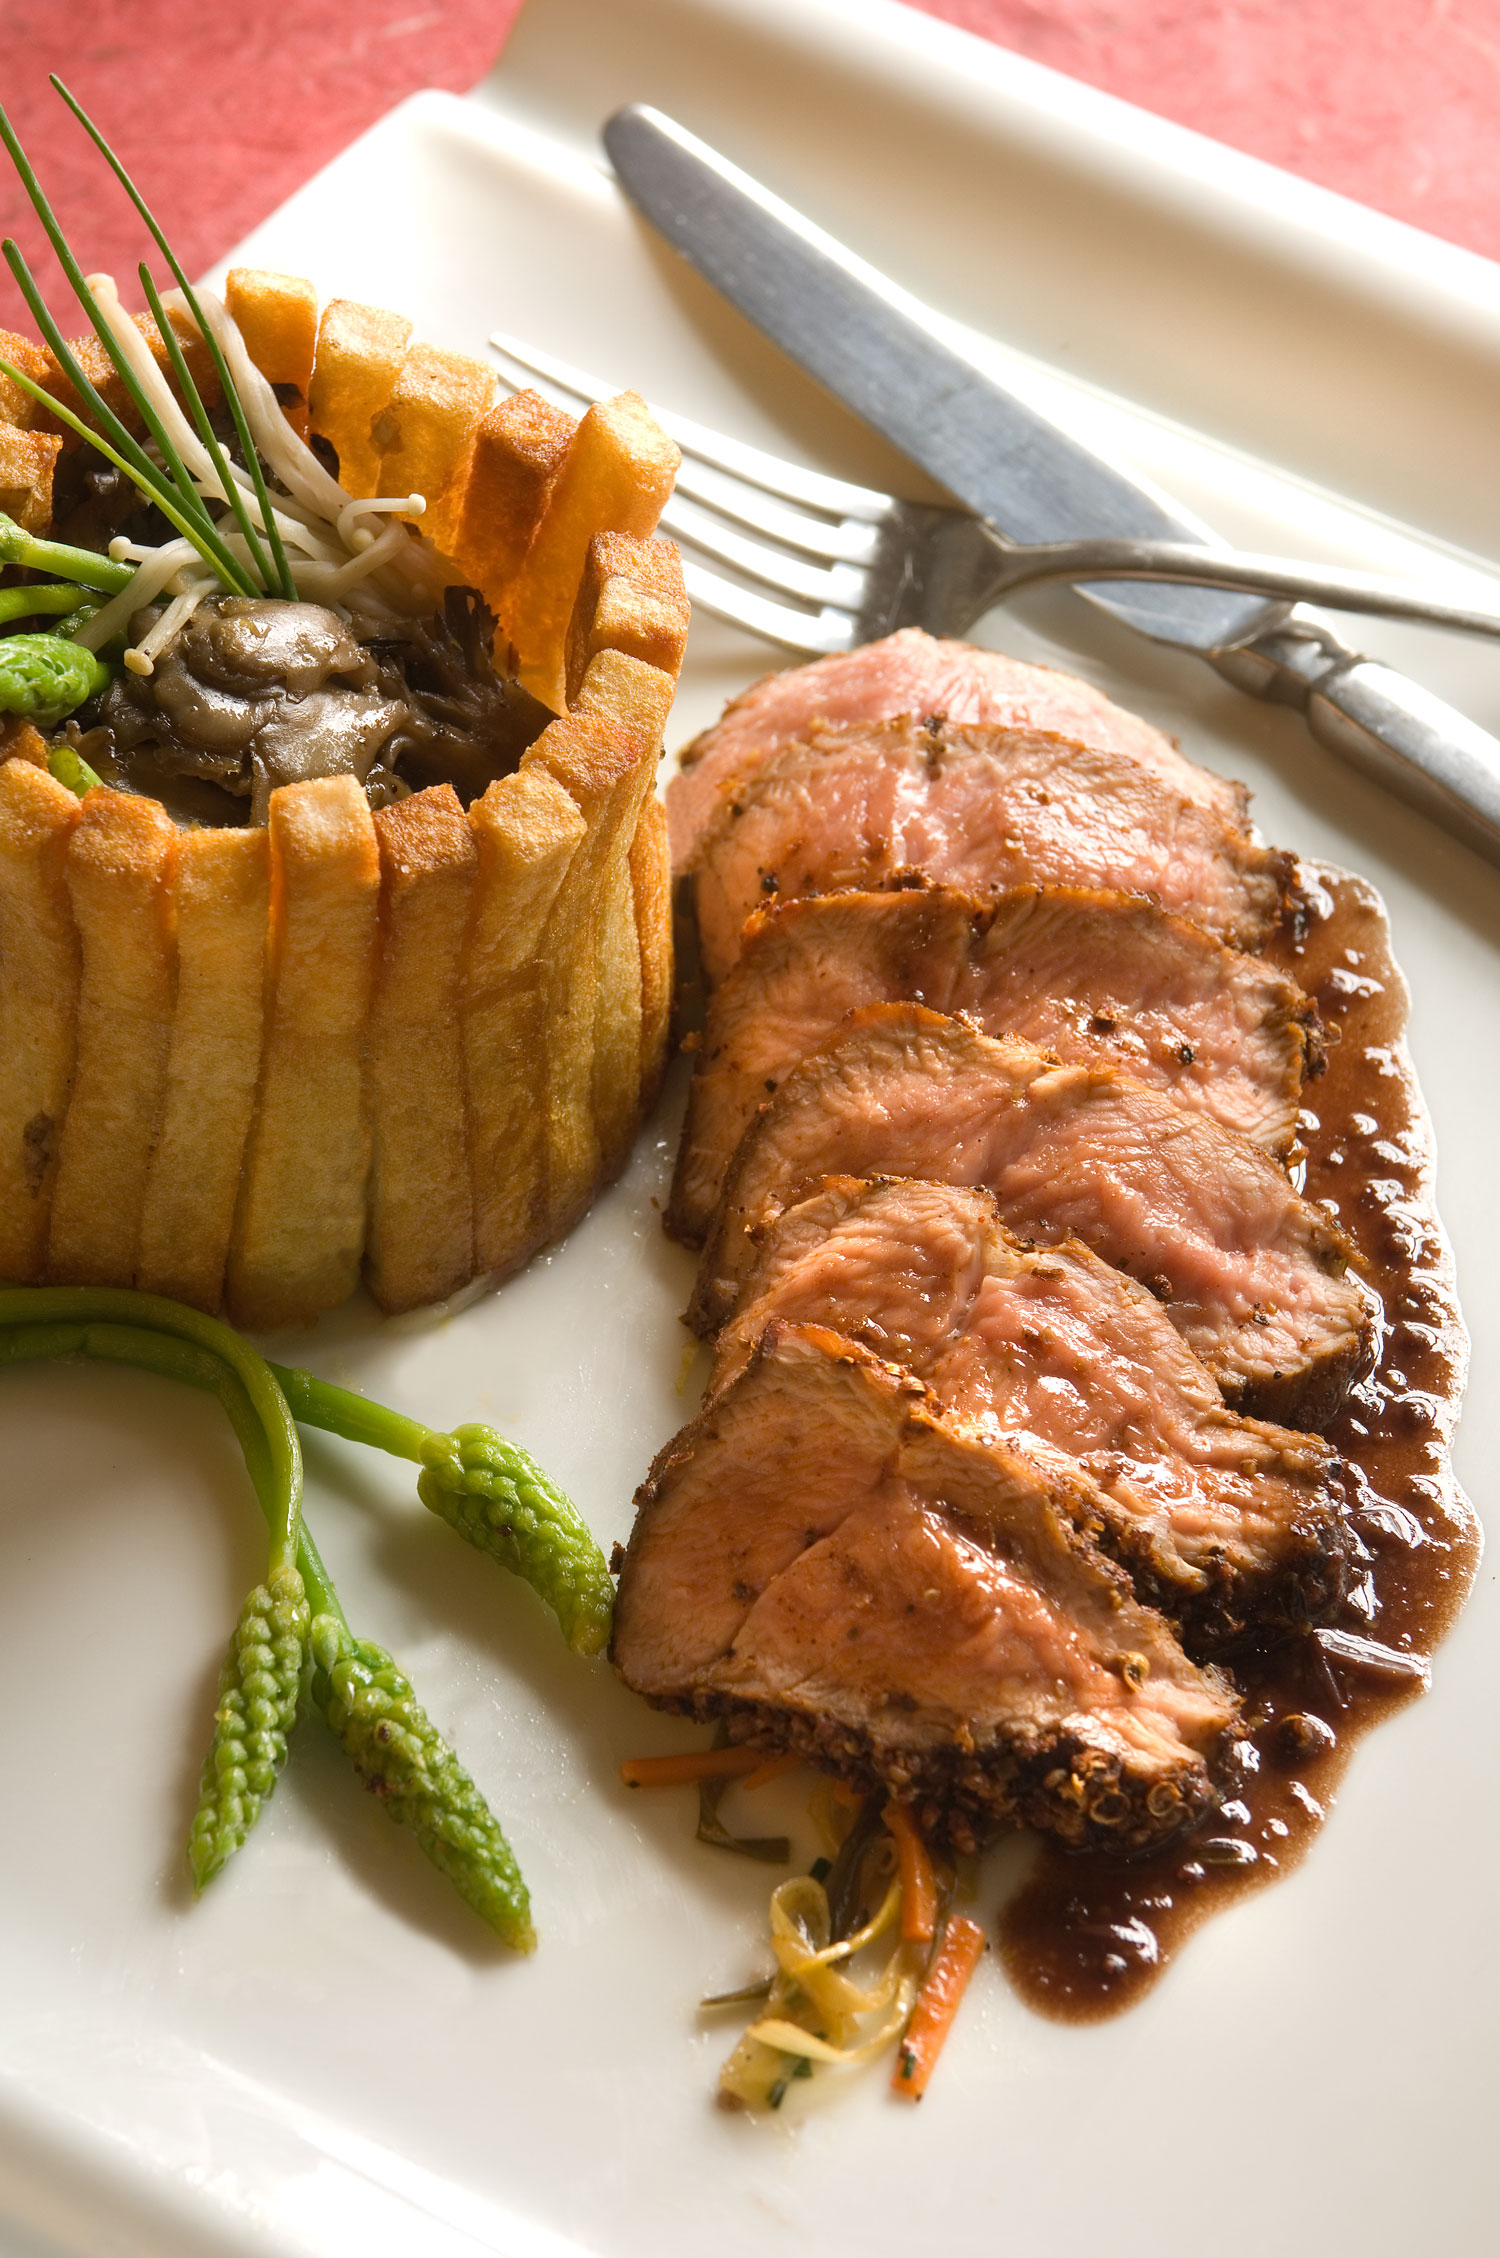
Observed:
{"x":1189,"y":564}
{"x":1427,"y":752}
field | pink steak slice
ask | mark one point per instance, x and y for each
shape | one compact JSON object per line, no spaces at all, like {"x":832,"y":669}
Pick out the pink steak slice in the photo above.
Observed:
{"x":825,"y":1560}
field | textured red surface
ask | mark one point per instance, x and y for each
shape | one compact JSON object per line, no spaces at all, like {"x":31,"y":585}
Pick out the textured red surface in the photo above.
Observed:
{"x":1392,"y":102}
{"x":221,"y":110}
{"x":218,"y":108}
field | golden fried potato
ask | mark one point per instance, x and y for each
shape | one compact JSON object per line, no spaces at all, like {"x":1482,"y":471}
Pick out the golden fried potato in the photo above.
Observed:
{"x":527,"y":830}
{"x":616,"y":478}
{"x":38,"y":1003}
{"x":595,"y":764}
{"x":22,"y":741}
{"x":634,"y":698}
{"x":300,"y":1229}
{"x":631,"y":598}
{"x":421,"y":1239}
{"x":425,"y":432}
{"x":119,"y":866}
{"x":221,"y":894}
{"x":358,"y":359}
{"x":100,"y":371}
{"x":651,"y":889}
{"x":32,"y":360}
{"x":421,"y":1039}
{"x":43,"y":368}
{"x":27,"y":459}
{"x":519,"y":449}
{"x":277,"y":315}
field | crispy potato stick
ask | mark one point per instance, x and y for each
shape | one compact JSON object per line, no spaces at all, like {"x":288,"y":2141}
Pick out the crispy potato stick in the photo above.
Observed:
{"x":651,"y":887}
{"x":518,"y":451}
{"x":300,"y":1229}
{"x":221,"y":892}
{"x":32,"y":360}
{"x":22,"y":741}
{"x":426,"y":430}
{"x":101,"y":373}
{"x":421,"y":1243}
{"x":359,"y":356}
{"x":27,"y":459}
{"x":38,"y":1002}
{"x":631,"y":598}
{"x":278,"y":319}
{"x":617,"y":477}
{"x":527,"y":831}
{"x":598,"y":763}
{"x":635,"y":698}
{"x":119,"y":866}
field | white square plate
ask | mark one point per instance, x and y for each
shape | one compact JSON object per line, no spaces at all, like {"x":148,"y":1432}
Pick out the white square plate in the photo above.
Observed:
{"x":326,"y":2056}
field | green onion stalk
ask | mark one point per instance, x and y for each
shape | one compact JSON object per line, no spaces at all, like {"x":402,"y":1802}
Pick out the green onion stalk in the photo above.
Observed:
{"x":290,"y":1619}
{"x":36,"y":554}
{"x":41,"y":682}
{"x":70,"y":767}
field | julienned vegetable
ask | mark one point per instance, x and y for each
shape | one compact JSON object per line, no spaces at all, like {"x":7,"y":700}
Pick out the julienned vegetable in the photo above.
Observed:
{"x":880,"y":1888}
{"x":294,"y":1620}
{"x":943,"y":1987}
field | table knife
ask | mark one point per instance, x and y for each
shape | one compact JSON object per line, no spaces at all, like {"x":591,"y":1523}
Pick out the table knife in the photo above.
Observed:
{"x":880,"y":351}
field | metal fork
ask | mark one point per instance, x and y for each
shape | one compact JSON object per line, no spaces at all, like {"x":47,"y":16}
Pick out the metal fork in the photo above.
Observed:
{"x":858,"y":564}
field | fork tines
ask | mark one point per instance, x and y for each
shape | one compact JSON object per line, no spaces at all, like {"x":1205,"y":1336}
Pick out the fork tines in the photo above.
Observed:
{"x":817,"y":540}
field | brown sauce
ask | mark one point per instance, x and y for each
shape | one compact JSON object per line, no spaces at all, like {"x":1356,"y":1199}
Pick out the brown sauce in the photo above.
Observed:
{"x":1085,"y":1937}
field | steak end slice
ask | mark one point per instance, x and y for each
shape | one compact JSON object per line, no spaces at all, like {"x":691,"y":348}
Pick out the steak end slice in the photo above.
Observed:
{"x":1253,"y":1277}
{"x":920,"y":675}
{"x":825,"y":1560}
{"x":874,"y":806}
{"x":1233,"y":1527}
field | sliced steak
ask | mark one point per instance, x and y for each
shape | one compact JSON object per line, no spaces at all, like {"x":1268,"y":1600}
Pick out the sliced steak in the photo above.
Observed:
{"x":917,"y":675}
{"x":1253,"y":1277}
{"x":1233,"y":1527}
{"x":825,"y":1561}
{"x":872,"y":805}
{"x":1084,"y":975}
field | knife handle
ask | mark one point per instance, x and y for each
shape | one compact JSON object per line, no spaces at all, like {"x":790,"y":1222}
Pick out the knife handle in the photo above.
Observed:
{"x":1425,"y":751}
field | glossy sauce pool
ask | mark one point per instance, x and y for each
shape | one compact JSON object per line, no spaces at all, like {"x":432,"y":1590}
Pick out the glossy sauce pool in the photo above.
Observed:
{"x":1085,"y":1936}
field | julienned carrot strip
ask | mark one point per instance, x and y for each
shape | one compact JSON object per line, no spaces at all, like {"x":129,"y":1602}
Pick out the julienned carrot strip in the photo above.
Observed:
{"x":937,"y":2004}
{"x":919,"y":1892}
{"x":773,"y":1768}
{"x":690,"y":1767}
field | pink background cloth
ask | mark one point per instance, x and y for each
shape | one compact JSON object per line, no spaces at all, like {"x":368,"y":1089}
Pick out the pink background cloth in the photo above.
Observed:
{"x":220,"y":111}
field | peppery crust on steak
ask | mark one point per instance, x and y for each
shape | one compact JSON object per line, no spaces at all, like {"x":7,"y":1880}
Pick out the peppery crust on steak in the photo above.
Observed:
{"x":827,"y":1561}
{"x":918,"y":675}
{"x":963,"y":1798}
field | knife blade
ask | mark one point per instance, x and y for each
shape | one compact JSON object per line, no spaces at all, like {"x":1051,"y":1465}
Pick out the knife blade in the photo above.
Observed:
{"x":873,"y":345}
{"x":880,"y":351}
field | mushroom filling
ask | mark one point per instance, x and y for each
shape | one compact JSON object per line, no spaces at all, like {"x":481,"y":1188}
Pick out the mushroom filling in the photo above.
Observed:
{"x":252,"y":693}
